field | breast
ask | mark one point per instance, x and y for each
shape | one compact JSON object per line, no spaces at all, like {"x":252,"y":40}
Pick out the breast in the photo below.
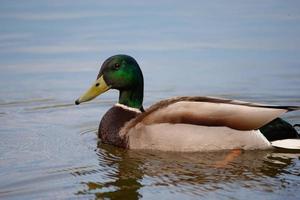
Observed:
{"x":112,"y":121}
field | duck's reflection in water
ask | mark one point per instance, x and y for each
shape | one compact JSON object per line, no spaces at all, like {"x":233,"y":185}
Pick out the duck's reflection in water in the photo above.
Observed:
{"x":131,"y":174}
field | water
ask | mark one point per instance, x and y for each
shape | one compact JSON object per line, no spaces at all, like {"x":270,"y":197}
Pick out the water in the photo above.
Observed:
{"x":52,"y":50}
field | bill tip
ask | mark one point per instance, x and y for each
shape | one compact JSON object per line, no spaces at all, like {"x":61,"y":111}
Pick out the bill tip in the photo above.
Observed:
{"x":77,"y":102}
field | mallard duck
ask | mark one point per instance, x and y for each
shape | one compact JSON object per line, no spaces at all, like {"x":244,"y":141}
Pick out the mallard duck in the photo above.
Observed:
{"x":182,"y":123}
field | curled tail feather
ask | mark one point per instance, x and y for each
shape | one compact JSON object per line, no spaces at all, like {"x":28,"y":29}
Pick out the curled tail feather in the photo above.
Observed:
{"x":296,"y":127}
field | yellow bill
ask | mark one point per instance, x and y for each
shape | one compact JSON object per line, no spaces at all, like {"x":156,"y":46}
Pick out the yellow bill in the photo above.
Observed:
{"x":97,"y":88}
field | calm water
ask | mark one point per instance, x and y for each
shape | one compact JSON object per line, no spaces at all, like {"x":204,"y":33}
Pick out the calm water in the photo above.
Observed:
{"x":52,"y":50}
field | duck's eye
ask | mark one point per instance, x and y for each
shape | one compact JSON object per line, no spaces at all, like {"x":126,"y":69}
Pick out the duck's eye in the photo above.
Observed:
{"x":97,"y":84}
{"x":117,"y":66}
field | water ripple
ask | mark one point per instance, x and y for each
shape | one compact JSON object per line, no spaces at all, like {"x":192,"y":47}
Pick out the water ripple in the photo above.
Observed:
{"x":25,"y":102}
{"x":189,"y":173}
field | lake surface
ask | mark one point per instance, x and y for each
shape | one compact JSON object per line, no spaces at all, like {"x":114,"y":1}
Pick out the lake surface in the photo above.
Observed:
{"x":52,"y":50}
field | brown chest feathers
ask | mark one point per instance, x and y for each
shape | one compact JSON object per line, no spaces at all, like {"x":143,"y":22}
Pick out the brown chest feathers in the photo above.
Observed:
{"x":111,"y":123}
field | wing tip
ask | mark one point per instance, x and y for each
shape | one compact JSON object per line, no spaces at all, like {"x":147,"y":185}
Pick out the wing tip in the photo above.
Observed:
{"x":293,"y":108}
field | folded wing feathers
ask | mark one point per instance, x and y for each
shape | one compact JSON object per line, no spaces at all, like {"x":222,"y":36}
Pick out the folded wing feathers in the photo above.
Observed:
{"x":156,"y":114}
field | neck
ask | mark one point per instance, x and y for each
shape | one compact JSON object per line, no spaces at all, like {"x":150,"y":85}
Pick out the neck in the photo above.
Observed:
{"x":133,"y":97}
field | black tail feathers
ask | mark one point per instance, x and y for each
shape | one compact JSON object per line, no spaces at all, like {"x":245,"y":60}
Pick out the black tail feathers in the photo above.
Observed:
{"x":297,"y":128}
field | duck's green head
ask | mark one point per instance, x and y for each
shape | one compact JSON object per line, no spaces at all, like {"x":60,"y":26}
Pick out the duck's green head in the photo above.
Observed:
{"x":120,"y":72}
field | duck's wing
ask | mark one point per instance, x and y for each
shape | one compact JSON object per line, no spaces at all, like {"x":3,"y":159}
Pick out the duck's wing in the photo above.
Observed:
{"x":210,"y":111}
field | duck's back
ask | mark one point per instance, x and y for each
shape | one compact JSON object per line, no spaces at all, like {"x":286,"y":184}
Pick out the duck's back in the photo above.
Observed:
{"x":111,"y":123}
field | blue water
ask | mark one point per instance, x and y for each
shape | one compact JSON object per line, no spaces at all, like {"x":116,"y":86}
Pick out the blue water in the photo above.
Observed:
{"x":52,"y":50}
